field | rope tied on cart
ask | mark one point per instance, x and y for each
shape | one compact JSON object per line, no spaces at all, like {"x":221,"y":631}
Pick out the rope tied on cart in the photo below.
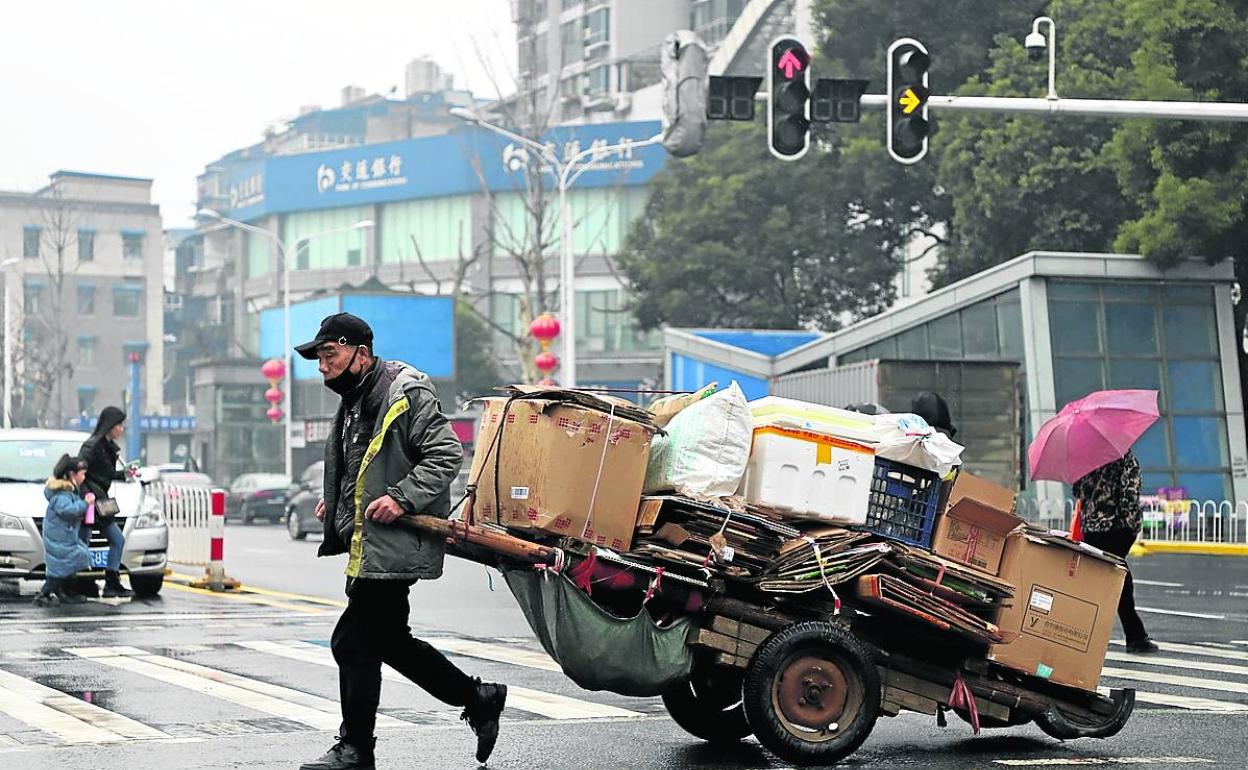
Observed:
{"x":654,"y":585}
{"x":546,"y":570}
{"x":602,"y":461}
{"x":836,"y":600}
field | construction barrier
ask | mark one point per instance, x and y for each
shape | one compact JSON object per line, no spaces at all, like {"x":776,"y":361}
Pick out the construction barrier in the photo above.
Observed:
{"x":196,"y":519}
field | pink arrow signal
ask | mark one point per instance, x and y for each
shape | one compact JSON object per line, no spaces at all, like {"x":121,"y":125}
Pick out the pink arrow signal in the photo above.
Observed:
{"x":790,"y":63}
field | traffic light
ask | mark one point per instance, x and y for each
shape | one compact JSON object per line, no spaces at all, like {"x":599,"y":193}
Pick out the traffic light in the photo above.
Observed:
{"x":788,"y":105}
{"x":732,"y":98}
{"x":908,"y":124}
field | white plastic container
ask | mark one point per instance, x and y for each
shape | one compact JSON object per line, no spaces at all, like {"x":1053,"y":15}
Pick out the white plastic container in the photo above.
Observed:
{"x":809,"y":475}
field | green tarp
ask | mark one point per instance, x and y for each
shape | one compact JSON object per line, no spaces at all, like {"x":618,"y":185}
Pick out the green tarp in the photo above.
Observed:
{"x":597,"y":650}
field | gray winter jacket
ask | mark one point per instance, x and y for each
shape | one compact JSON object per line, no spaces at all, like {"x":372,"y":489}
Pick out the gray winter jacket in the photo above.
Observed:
{"x":413,"y":457}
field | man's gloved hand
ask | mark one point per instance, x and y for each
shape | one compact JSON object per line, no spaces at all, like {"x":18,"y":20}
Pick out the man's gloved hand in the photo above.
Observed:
{"x":384,"y":509}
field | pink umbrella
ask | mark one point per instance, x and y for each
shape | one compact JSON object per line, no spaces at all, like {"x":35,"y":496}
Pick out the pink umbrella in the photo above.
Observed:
{"x":1093,"y":431}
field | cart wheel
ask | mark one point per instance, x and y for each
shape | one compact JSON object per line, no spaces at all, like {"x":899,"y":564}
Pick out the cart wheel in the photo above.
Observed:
{"x":709,"y":707}
{"x":1063,"y":725}
{"x":812,"y":693}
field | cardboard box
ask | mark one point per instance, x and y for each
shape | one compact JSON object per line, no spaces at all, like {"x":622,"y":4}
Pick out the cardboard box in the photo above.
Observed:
{"x":977,"y":518}
{"x":562,"y":468}
{"x":1065,"y":602}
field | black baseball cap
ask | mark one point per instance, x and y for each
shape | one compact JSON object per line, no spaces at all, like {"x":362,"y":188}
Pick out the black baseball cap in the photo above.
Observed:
{"x":343,"y":328}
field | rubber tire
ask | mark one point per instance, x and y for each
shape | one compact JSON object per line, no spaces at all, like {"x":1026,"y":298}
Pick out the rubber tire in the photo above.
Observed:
{"x":147,"y":586}
{"x":855,"y":661}
{"x":293,"y":527}
{"x":707,"y":715}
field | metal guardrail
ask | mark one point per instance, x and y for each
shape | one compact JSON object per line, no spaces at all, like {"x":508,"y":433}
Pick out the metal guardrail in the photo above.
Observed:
{"x":1178,"y":521}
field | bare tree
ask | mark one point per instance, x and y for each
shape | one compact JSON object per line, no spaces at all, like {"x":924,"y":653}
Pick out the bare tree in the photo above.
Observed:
{"x":47,"y":360}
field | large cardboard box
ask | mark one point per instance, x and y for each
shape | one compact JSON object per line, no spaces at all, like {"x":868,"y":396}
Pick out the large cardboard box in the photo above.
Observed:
{"x":977,"y":518}
{"x":562,"y":468}
{"x":1065,"y":602}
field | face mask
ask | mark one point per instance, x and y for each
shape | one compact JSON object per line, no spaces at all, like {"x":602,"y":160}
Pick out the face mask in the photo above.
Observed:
{"x":348,"y":380}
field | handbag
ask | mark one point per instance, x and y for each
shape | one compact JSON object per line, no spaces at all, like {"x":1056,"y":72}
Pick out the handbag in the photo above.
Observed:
{"x":106,"y":508}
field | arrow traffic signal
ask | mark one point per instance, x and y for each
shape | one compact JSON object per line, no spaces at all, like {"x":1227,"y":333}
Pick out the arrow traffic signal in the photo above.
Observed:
{"x":908,"y":123}
{"x":788,"y":108}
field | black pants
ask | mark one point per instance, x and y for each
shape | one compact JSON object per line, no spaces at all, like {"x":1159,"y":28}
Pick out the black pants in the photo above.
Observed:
{"x":1119,"y":542}
{"x":373,"y":630}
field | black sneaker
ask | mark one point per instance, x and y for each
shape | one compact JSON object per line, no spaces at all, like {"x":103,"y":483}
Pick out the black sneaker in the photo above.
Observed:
{"x":68,"y":597}
{"x":341,"y":756}
{"x":46,"y":600}
{"x":117,"y":592}
{"x":482,"y":716}
{"x":1144,"y":646}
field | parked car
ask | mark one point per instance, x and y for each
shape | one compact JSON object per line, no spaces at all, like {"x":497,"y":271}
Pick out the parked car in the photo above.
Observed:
{"x":26,"y":460}
{"x":257,"y":496}
{"x":179,"y":474}
{"x":301,"y":507}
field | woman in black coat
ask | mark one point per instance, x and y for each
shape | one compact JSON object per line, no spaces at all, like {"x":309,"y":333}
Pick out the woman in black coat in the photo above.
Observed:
{"x":101,"y":453}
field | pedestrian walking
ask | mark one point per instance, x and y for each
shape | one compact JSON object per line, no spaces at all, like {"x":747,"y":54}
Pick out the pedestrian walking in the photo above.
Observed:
{"x":101,"y":453}
{"x":390,"y":452}
{"x":64,"y":552}
{"x":1110,"y":519}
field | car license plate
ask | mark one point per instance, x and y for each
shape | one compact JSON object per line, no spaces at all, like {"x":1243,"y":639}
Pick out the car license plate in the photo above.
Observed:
{"x":99,"y":557}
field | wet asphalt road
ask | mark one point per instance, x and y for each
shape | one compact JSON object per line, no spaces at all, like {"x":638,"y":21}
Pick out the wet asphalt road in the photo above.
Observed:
{"x":195,"y":680}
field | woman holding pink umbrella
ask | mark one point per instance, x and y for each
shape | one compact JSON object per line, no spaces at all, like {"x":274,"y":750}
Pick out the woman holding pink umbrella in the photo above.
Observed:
{"x":1088,"y":444}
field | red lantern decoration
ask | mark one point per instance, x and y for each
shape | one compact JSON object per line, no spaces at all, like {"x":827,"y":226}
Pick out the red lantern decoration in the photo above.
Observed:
{"x":273,"y":369}
{"x":544,"y":328}
{"x":274,"y":396}
{"x":546,"y":362}
{"x":275,"y":414}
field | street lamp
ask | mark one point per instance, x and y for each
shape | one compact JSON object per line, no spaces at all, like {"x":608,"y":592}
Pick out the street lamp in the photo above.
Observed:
{"x":1036,"y":43}
{"x":8,"y":344}
{"x":363,"y":224}
{"x":565,"y":173}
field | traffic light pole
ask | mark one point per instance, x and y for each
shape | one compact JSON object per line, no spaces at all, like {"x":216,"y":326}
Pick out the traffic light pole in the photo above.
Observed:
{"x":1104,"y":108}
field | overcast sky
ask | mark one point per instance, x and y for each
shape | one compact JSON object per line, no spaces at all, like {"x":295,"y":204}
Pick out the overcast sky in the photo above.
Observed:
{"x":158,"y":88}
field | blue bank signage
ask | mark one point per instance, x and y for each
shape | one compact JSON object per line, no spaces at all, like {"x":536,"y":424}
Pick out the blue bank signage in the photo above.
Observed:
{"x":464,"y":162}
{"x":147,"y":423}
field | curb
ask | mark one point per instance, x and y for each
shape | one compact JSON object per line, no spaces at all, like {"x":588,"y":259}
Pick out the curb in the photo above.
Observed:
{"x":1147,"y":547}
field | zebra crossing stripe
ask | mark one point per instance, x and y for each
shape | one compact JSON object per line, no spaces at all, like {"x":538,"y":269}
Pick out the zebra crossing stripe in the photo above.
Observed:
{"x":537,"y":702}
{"x":1191,"y":665}
{"x":123,"y":727}
{"x":501,"y":653}
{"x":67,"y":727}
{"x":311,"y":710}
{"x":1188,"y":703}
{"x":1179,"y":681}
{"x":1196,"y":649}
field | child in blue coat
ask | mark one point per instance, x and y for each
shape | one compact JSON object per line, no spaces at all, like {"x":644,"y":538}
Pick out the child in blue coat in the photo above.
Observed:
{"x":64,"y":551}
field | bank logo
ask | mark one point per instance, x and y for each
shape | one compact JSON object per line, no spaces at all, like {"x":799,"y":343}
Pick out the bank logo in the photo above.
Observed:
{"x":325,"y":178}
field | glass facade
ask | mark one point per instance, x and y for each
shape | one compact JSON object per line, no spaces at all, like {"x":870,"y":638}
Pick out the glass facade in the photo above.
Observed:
{"x":441,"y":227}
{"x":991,"y":330}
{"x":1151,"y":336}
{"x":324,"y":252}
{"x":601,"y":218}
{"x":603,"y":325}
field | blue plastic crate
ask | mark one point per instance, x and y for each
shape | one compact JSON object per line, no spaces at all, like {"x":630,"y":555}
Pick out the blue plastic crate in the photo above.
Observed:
{"x":903,"y":503}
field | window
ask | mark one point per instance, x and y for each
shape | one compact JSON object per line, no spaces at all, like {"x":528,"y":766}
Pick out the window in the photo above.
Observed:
{"x":598,"y":80}
{"x":32,"y":294}
{"x":301,"y":254}
{"x":571,"y":42}
{"x":353,"y":257}
{"x":86,"y":399}
{"x":86,"y":350}
{"x":131,"y":245}
{"x":86,"y":244}
{"x":31,"y":235}
{"x":127,"y":300}
{"x":86,"y":299}
{"x":597,"y":27}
